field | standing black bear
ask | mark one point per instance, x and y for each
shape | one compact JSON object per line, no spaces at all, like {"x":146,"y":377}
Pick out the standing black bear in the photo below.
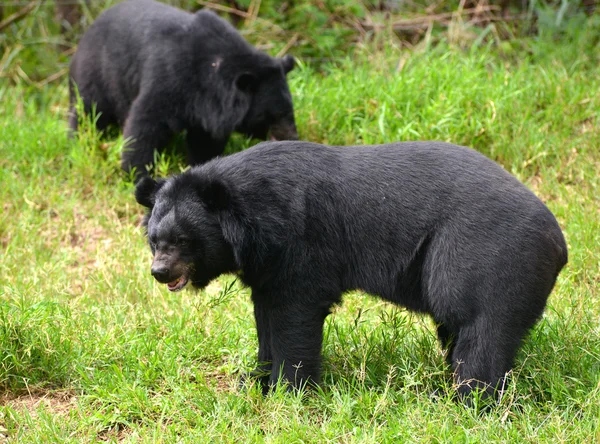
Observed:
{"x":435,"y":227}
{"x":157,"y":70}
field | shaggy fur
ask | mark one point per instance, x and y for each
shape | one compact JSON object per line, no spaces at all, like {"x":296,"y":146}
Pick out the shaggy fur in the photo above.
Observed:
{"x":433,"y":227}
{"x":156,"y":70}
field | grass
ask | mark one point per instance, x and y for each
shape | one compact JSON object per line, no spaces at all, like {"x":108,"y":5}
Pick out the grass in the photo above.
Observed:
{"x":92,"y":349}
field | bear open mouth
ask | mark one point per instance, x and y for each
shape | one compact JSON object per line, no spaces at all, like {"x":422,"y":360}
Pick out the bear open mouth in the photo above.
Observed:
{"x":177,"y":284}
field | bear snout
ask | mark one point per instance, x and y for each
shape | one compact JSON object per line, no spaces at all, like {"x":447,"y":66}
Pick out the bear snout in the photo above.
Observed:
{"x":161,"y":273}
{"x":284,"y":128}
{"x":167,"y":268}
{"x":284,"y":131}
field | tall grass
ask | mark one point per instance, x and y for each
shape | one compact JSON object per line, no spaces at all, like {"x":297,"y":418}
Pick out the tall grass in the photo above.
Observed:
{"x":36,"y":49}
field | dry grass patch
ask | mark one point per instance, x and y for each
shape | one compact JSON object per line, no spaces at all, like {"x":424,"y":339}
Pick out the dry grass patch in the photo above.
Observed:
{"x":59,"y":402}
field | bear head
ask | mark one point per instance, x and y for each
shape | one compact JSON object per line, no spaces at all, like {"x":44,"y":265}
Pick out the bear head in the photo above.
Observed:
{"x":184,"y":231}
{"x":261,"y":84}
{"x":242,"y":88}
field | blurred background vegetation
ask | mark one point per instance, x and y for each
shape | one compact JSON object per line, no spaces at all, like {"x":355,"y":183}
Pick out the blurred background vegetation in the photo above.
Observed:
{"x":38,"y":37}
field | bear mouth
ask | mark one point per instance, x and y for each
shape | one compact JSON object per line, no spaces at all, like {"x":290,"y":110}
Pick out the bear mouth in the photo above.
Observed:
{"x":178,"y":284}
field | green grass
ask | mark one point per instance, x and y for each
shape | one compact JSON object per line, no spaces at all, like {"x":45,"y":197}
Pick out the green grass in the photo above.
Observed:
{"x":92,"y":349}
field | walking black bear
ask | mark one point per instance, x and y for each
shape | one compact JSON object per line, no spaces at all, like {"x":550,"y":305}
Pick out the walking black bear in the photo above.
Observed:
{"x":156,"y":71}
{"x":434,"y":227}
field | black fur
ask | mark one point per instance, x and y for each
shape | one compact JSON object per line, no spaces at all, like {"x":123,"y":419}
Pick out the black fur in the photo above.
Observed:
{"x":156,"y":70}
{"x":146,"y":190}
{"x":434,"y":227}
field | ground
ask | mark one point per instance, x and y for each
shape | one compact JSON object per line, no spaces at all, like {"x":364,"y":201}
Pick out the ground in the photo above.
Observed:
{"x":92,"y":349}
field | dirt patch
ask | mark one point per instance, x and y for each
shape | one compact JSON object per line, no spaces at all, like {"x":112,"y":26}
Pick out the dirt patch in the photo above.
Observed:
{"x":222,"y":382}
{"x":588,"y":125}
{"x":534,"y":183}
{"x":118,"y":433}
{"x":57,"y":402}
{"x":80,"y":236}
{"x":4,"y":240}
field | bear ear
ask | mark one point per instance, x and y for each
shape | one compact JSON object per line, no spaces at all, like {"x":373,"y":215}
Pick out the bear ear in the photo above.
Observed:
{"x":246,"y":81}
{"x":215,"y":195}
{"x":288,"y":62}
{"x":146,"y":189}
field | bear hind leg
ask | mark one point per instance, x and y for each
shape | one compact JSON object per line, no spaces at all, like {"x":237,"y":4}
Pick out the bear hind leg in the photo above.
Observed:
{"x":73,"y":121}
{"x":447,"y":340}
{"x":483,"y":355}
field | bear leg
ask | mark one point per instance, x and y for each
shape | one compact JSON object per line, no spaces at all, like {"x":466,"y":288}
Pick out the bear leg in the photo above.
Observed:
{"x":201,"y":146}
{"x":145,"y":134}
{"x":262,"y":372}
{"x":103,"y":118}
{"x":483,"y":355}
{"x":73,"y":122}
{"x":296,"y":339}
{"x":447,"y":340}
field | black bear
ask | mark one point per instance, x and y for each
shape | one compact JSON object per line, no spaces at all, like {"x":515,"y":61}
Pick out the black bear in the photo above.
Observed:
{"x":431,"y":226}
{"x":156,"y":70}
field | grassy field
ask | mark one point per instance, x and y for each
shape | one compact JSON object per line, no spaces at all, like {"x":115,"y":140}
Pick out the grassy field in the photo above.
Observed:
{"x":93,"y":349}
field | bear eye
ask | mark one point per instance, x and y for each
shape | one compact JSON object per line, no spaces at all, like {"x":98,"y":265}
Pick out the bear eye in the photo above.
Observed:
{"x":181,"y":240}
{"x":152,"y":239}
